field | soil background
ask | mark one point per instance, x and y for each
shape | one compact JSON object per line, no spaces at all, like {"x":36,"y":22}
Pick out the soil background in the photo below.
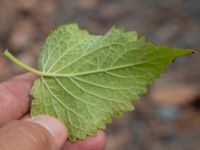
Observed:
{"x":168,"y":117}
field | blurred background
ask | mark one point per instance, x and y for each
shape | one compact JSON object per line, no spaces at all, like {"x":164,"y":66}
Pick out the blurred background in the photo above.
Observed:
{"x":168,"y":117}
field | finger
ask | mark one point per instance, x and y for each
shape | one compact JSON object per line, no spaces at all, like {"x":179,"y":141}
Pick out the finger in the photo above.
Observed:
{"x":14,"y":97}
{"x":90,"y":143}
{"x":39,"y":133}
{"x":26,"y":117}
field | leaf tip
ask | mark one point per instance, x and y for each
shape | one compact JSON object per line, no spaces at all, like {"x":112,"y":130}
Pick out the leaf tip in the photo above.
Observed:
{"x":189,"y":51}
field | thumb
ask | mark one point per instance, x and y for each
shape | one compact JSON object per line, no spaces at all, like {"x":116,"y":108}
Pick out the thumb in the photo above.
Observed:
{"x":38,"y":133}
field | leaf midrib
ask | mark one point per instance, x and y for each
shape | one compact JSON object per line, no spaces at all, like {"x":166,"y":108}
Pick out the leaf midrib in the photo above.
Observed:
{"x":93,"y":71}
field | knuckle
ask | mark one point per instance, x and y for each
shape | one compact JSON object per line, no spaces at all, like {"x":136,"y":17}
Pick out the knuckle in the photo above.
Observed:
{"x":36,"y":135}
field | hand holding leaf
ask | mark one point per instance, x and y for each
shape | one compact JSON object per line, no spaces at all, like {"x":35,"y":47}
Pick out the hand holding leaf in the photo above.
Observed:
{"x":86,"y":80}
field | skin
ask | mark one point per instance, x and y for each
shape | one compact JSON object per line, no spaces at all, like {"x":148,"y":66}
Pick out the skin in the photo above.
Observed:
{"x":19,"y":132}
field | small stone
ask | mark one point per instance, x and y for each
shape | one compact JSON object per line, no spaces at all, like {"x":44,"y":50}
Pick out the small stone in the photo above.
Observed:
{"x":175,"y":95}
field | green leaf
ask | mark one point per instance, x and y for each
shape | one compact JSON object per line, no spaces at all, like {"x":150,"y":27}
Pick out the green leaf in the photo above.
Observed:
{"x":87,"y":80}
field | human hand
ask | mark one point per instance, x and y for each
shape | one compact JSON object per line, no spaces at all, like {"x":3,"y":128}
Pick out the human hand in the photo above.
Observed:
{"x":18,"y":132}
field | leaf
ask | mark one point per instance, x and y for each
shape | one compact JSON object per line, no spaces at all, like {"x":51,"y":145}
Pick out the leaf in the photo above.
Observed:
{"x":87,"y":80}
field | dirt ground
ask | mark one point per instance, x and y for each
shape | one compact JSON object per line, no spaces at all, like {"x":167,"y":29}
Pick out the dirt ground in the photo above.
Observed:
{"x":168,"y":117}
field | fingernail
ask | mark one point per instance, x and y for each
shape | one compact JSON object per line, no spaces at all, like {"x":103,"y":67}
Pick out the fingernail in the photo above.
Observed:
{"x":54,"y":126}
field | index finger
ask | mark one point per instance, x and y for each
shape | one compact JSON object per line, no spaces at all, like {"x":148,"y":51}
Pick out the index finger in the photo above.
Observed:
{"x":14,"y":97}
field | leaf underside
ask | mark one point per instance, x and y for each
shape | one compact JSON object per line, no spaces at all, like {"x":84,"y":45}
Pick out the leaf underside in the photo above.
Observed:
{"x":95,"y":78}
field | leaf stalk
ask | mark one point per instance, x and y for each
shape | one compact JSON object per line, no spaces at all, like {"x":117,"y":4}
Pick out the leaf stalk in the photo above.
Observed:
{"x":21,"y":64}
